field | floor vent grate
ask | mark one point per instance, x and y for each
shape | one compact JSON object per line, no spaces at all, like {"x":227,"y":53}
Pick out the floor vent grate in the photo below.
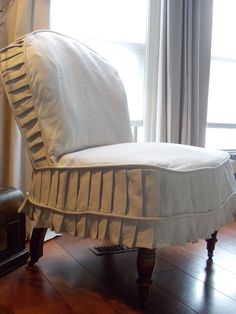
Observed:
{"x":111,"y":249}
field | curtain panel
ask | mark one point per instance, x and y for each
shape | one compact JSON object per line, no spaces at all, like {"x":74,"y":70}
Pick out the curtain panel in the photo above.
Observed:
{"x":15,"y":169}
{"x":179,"y":112}
{"x":24,"y":16}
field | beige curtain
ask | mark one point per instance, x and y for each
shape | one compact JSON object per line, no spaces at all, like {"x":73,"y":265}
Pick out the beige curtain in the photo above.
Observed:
{"x":24,"y":17}
{"x":179,"y":111}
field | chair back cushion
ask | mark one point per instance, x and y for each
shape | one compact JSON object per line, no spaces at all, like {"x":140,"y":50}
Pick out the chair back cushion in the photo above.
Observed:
{"x":78,"y":96}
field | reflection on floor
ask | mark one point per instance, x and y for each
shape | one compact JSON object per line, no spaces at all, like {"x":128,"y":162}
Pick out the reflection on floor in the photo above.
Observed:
{"x":72,"y":279}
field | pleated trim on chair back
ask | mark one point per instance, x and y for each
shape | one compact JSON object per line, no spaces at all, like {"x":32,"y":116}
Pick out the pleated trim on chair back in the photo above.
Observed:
{"x":16,"y":82}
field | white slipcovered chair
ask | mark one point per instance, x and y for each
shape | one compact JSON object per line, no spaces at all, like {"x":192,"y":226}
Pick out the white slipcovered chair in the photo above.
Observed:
{"x":89,"y":179}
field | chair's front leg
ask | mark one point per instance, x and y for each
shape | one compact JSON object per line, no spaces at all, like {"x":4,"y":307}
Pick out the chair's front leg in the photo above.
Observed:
{"x":211,"y":244}
{"x":36,"y":245}
{"x":145,"y":263}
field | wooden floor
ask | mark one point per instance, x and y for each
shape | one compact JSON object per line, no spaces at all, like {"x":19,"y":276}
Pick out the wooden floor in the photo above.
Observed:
{"x":71,"y":279}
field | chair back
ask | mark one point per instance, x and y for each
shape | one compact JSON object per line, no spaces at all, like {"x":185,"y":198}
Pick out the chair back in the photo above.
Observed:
{"x":64,"y":96}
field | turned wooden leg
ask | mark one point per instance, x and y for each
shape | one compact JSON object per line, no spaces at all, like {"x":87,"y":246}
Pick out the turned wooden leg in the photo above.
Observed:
{"x":145,"y":263}
{"x":211,"y":244}
{"x":36,"y":245}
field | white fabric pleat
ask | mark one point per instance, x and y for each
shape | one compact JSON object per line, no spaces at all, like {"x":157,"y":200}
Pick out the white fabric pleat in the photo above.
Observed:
{"x":15,"y":76}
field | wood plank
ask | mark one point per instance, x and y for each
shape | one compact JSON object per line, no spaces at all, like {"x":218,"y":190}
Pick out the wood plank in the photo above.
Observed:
{"x":27,"y":291}
{"x":229,"y":229}
{"x":194,"y":293}
{"x":209,"y":273}
{"x":197,"y":269}
{"x":76,"y":286}
{"x":79,"y":248}
{"x":226,"y":243}
{"x":119,"y":277}
{"x":221,"y":257}
{"x":71,"y":279}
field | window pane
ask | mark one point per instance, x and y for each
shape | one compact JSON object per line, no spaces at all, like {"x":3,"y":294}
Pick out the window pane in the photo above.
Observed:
{"x":128,"y":59}
{"x":221,"y":138}
{"x":224,"y":29}
{"x":116,"y":29}
{"x":119,"y":20}
{"x":222,"y":92}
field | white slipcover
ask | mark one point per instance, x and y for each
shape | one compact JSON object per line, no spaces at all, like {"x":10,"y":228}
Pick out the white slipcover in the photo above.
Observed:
{"x":65,"y":99}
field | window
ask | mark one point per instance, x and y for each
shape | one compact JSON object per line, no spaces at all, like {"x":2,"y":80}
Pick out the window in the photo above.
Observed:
{"x":117,"y":30}
{"x":221,"y":128}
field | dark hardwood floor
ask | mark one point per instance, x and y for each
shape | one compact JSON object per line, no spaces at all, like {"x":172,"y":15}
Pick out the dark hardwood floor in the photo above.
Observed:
{"x":71,"y":279}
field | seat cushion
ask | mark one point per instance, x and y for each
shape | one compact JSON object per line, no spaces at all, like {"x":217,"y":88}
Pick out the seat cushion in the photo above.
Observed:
{"x":168,"y":156}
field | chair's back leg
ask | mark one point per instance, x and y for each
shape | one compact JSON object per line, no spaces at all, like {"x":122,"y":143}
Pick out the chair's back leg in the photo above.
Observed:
{"x":211,"y":244}
{"x":36,"y":245}
{"x":145,"y":263}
